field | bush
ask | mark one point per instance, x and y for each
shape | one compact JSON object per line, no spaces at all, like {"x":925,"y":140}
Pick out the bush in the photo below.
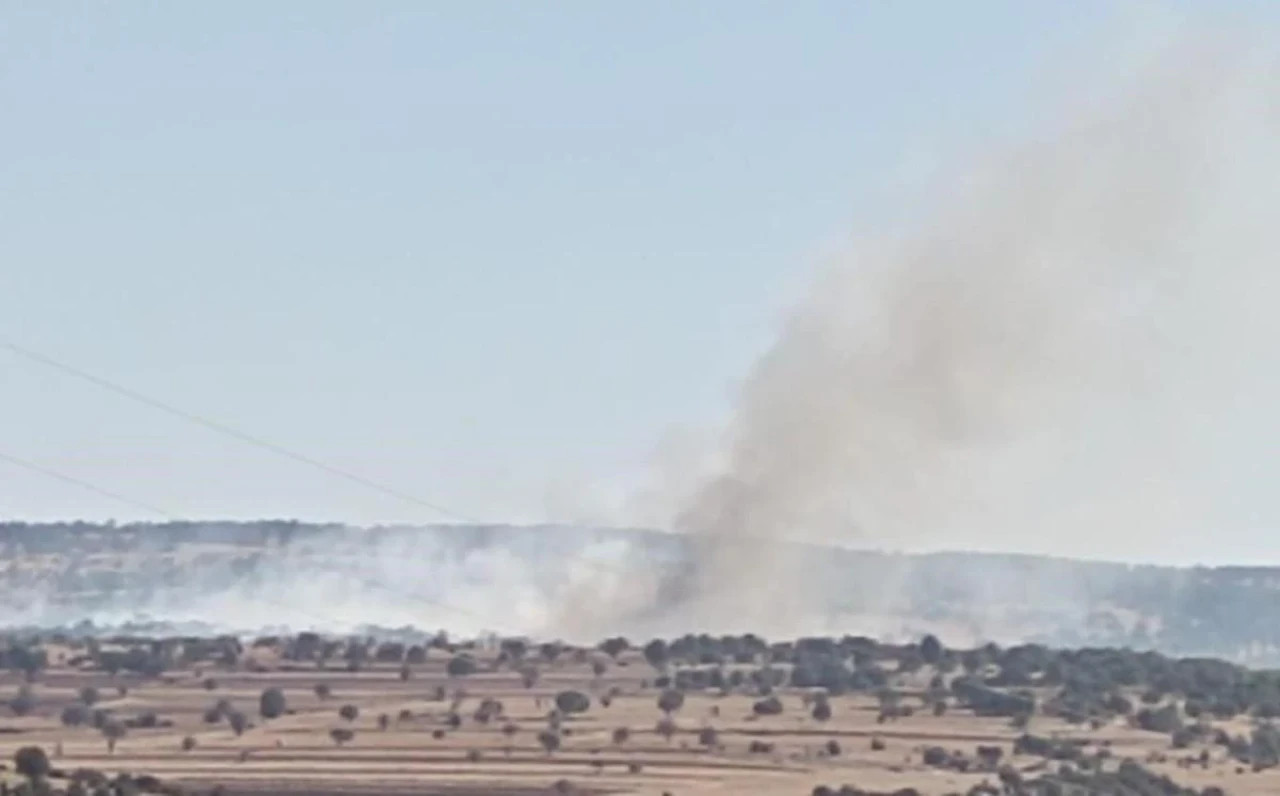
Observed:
{"x":341,"y":735}
{"x":349,"y":712}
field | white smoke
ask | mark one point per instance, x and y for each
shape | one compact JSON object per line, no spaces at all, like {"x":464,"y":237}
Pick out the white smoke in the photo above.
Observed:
{"x":1073,"y":351}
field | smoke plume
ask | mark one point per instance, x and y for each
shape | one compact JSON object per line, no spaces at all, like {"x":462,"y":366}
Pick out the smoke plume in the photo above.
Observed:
{"x":1071,"y":352}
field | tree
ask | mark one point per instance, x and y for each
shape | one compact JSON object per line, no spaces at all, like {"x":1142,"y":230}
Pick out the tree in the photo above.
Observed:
{"x":341,"y":735}
{"x":708,"y":737}
{"x":75,"y":716}
{"x":621,"y":735}
{"x":931,"y":650}
{"x":24,"y":702}
{"x":571,"y":702}
{"x":89,"y":696}
{"x":549,"y":741}
{"x":32,"y":763}
{"x":188,"y":743}
{"x":769,"y":706}
{"x":613,"y":647}
{"x":461,"y":666}
{"x":349,"y":712}
{"x":272,"y":704}
{"x":670,"y":700}
{"x":666,"y":728}
{"x":322,"y":691}
{"x":488,"y":709}
{"x":821,"y":711}
{"x":656,"y":654}
{"x":529,"y":676}
{"x":384,"y":721}
{"x":238,"y":722}
{"x":113,"y":731}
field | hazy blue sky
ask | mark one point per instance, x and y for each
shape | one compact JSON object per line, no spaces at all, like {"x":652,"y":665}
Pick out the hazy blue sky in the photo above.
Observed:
{"x":466,"y":249}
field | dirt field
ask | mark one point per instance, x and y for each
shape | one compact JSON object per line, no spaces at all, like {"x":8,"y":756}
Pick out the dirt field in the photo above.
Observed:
{"x":419,"y":753}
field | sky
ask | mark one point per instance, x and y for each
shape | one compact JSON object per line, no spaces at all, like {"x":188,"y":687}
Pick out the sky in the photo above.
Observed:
{"x":486,"y":254}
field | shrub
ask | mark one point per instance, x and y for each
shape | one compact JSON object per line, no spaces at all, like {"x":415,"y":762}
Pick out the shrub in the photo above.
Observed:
{"x":341,"y":735}
{"x":349,"y":712}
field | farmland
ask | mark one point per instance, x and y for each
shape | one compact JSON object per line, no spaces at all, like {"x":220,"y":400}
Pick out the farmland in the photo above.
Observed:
{"x":697,"y":715}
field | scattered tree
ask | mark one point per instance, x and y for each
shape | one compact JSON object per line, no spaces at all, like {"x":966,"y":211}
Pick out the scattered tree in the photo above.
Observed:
{"x":272,"y":704}
{"x":32,"y":763}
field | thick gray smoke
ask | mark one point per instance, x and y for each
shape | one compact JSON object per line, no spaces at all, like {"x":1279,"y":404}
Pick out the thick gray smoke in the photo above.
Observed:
{"x":1073,"y":352}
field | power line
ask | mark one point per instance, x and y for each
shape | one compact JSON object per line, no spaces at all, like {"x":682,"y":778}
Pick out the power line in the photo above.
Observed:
{"x":125,"y":499}
{"x":229,"y":431}
{"x":67,"y":479}
{"x":242,"y":436}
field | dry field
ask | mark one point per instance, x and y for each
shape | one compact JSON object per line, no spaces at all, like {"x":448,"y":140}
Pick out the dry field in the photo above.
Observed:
{"x":419,"y":753}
